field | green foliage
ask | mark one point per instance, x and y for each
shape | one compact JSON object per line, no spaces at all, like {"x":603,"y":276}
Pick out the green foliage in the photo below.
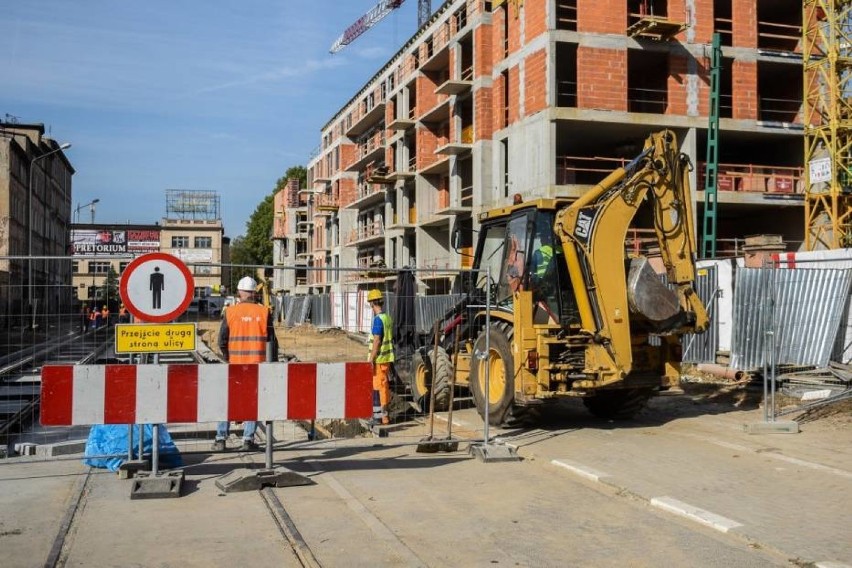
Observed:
{"x":255,"y":247}
{"x":107,"y":294}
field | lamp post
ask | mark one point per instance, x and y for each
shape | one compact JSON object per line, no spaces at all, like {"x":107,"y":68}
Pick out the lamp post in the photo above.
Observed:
{"x":64,"y":146}
{"x":89,"y":204}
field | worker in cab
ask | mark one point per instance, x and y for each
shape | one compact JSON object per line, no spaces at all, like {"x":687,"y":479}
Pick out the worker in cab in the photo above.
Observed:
{"x":244,"y":335}
{"x":381,"y":355}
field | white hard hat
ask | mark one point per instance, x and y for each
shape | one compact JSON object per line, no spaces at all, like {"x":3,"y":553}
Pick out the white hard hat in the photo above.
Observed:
{"x":247,"y":284}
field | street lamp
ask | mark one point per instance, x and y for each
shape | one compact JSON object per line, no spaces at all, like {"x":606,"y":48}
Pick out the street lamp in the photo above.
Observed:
{"x":64,"y":146}
{"x":89,"y":204}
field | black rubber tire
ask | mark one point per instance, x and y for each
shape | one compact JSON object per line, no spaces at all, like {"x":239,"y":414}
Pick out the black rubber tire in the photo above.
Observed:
{"x":621,"y":404}
{"x":501,"y":401}
{"x":420,"y":380}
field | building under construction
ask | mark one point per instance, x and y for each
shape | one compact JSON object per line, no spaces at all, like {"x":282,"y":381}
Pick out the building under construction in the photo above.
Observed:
{"x":490,"y":99}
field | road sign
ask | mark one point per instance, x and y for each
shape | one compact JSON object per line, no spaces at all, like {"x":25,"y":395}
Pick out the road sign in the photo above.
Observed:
{"x":156,"y":287}
{"x":154,"y":338}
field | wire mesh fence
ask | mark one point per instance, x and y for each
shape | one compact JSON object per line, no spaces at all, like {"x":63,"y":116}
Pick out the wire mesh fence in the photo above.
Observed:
{"x":75,"y":322}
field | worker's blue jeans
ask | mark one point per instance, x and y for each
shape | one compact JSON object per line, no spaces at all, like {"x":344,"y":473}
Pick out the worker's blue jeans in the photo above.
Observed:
{"x":224,"y":428}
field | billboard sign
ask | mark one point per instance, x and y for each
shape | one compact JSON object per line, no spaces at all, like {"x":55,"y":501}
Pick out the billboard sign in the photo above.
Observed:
{"x":108,"y":242}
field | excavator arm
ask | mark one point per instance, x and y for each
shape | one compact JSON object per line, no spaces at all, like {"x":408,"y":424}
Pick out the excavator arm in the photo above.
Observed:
{"x":593,"y":230}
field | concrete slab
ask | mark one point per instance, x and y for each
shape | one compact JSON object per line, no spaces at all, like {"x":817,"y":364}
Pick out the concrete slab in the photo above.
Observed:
{"x":784,"y":427}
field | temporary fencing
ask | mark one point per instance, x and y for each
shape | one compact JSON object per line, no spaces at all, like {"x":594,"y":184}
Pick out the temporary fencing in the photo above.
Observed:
{"x":61,"y":372}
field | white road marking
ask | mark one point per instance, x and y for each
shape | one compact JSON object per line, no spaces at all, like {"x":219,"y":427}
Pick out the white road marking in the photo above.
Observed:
{"x":706,"y":518}
{"x":831,"y":564}
{"x":580,"y":470}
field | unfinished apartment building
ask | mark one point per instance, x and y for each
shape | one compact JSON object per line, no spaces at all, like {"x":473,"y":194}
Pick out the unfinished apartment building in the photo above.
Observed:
{"x":544,"y":97}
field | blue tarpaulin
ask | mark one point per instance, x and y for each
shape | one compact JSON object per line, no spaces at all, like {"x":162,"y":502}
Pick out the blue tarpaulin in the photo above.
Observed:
{"x":111,"y":440}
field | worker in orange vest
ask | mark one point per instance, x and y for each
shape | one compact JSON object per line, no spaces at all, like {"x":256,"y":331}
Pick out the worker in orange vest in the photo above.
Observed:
{"x":105,"y":316}
{"x":122,"y":314}
{"x":246,"y":330}
{"x":94,"y":318}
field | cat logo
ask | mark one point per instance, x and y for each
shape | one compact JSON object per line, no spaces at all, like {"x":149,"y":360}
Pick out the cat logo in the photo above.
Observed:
{"x":584,"y":225}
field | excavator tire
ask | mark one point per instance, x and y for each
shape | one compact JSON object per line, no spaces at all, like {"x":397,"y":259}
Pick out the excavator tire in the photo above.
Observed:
{"x":421,"y":379}
{"x":501,"y":391}
{"x":621,"y":404}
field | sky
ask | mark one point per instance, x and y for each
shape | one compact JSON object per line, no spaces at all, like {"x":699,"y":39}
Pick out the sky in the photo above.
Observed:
{"x":186,"y":94}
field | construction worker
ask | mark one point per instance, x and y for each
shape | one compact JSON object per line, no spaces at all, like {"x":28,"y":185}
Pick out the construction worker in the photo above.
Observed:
{"x":85,"y":317}
{"x":94,"y":318}
{"x":123,"y":316}
{"x":243,"y":337}
{"x":105,"y":316}
{"x":381,"y":355}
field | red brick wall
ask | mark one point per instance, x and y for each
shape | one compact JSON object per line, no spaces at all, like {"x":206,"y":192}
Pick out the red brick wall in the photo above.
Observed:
{"x":602,"y":16}
{"x":483,"y":119}
{"x":702,"y":21}
{"x":535,"y":82}
{"x":497,"y":34}
{"x":426,"y":145}
{"x":514,"y":29}
{"x":677,"y":85}
{"x":535,"y":19}
{"x":602,"y":78}
{"x":426,"y":96}
{"x":744,"y":14}
{"x":348,"y":192}
{"x":482,"y":56}
{"x":514,"y":95}
{"x":347,"y":155}
{"x":744,"y":76}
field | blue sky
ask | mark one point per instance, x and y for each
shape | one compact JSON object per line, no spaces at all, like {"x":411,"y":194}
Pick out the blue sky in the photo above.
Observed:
{"x":211,"y":95}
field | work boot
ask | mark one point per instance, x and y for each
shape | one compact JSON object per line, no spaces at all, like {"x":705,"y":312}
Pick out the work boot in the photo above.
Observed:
{"x":249,"y":446}
{"x":218,"y":446}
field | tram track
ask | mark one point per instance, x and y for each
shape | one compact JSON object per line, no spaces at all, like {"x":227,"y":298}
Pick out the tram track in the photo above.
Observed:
{"x":20,"y":376}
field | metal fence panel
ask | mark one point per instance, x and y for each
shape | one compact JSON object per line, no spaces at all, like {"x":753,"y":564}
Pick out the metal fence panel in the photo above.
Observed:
{"x":702,"y":347}
{"x":803,"y":308}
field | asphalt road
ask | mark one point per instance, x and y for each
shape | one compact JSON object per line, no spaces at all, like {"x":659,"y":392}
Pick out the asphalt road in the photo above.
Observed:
{"x":681,"y":486}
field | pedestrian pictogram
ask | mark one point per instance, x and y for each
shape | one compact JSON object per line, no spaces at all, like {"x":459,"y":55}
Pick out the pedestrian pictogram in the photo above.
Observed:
{"x":156,"y":287}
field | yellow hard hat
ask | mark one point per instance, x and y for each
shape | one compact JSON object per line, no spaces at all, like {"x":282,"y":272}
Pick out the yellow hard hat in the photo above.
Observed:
{"x":105,"y":307}
{"x":374,"y":295}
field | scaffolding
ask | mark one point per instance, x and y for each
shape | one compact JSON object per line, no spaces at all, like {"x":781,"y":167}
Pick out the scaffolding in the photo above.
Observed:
{"x":192,"y":204}
{"x":827,"y":57}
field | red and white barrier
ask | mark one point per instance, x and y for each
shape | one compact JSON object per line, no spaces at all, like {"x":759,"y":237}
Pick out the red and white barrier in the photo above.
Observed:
{"x":155,"y":394}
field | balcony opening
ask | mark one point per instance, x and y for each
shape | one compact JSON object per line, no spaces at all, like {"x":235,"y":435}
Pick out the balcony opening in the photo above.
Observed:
{"x":412,"y":102}
{"x":723,"y":21}
{"x":647,"y":81}
{"x":466,"y":51}
{"x":779,"y":24}
{"x":566,"y":74}
{"x":770,"y":167}
{"x":465,"y":170}
{"x":504,"y":159}
{"x":504,"y":79}
{"x":465,"y":110}
{"x":566,"y":15}
{"x":411,"y":146}
{"x":410,"y":197}
{"x":779,"y":88}
{"x":726,"y":88}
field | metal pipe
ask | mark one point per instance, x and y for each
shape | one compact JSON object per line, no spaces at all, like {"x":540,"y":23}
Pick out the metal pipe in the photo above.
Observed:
{"x":269,"y":441}
{"x":487,"y":355}
{"x":721,"y":371}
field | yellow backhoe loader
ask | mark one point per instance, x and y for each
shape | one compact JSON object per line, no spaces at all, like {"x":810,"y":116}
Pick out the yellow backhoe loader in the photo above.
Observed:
{"x":572,"y":313}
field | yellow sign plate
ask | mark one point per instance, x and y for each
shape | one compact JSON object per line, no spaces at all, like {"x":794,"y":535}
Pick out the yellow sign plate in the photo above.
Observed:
{"x":154,"y":338}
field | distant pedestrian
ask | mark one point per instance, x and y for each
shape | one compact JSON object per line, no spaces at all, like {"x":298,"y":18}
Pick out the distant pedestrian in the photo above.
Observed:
{"x":246,"y":330}
{"x":85,"y":317}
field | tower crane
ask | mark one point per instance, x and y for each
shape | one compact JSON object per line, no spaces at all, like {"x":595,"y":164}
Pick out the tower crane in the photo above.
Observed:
{"x":827,"y":57}
{"x":374,"y":16}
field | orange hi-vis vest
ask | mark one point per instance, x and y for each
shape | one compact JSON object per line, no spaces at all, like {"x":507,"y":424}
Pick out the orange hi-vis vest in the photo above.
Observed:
{"x":247,"y":333}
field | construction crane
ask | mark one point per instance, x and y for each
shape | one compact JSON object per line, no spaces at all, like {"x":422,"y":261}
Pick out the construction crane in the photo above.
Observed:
{"x":374,"y":16}
{"x":827,"y":57}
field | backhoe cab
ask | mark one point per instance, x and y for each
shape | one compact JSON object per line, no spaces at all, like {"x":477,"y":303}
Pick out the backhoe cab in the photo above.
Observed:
{"x":573,"y":315}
